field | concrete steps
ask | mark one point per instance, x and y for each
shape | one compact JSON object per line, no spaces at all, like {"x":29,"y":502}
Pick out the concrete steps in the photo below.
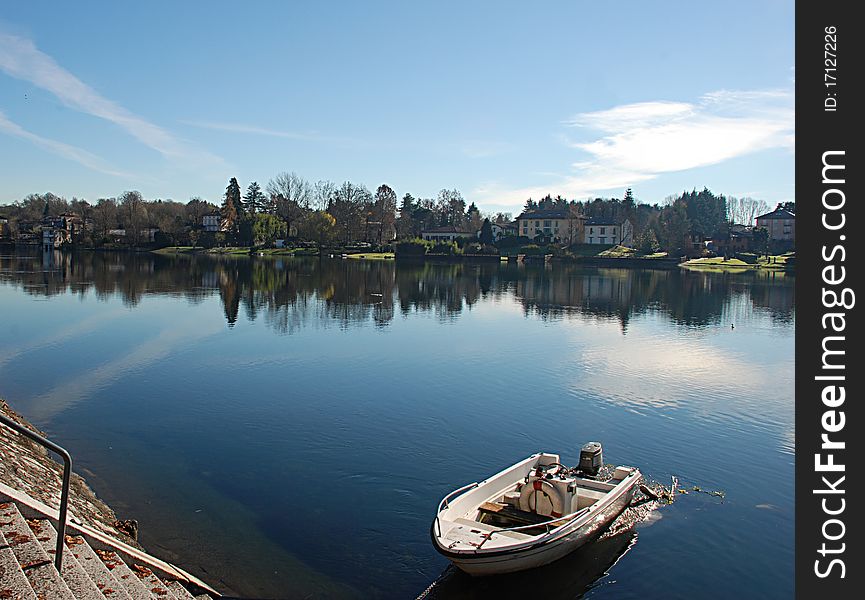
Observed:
{"x":27,"y":571}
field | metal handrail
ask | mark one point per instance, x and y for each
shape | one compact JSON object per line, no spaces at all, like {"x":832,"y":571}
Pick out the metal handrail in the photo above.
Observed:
{"x":444,"y":503}
{"x":67,"y":473}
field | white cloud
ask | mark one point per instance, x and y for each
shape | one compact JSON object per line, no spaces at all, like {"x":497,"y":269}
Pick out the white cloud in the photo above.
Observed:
{"x":67,"y":151}
{"x":20,"y":58}
{"x":641,"y":141}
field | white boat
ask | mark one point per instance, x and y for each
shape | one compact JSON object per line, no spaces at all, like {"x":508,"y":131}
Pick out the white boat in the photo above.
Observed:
{"x":530,"y":514}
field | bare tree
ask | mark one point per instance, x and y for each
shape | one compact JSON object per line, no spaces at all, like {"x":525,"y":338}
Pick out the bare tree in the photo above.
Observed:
{"x":452,"y":207}
{"x":105,"y":215}
{"x":134,"y":214}
{"x":322,"y":194}
{"x":290,"y":195}
{"x":384,"y":212}
{"x":351,"y":207}
{"x":745,"y":210}
{"x":196,"y":208}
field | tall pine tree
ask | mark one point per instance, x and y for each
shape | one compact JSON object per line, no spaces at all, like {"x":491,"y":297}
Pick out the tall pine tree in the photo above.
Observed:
{"x":254,"y":198}
{"x":232,"y":207}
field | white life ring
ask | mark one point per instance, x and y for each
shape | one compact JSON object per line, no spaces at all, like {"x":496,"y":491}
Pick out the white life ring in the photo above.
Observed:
{"x":532,"y":494}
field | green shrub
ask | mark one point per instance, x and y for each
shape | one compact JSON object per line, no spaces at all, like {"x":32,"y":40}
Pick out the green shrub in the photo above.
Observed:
{"x":450,"y":248}
{"x":413,"y":247}
{"x":512,"y":241}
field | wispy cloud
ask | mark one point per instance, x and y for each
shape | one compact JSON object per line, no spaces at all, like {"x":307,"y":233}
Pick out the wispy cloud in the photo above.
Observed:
{"x":21,"y":59}
{"x":67,"y":151}
{"x":642,"y":141}
{"x":303,"y":136}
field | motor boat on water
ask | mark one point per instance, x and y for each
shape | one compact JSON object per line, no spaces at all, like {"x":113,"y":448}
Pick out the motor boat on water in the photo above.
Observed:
{"x":532,"y":513}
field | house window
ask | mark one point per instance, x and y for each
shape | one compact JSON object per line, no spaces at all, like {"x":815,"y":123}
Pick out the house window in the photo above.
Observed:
{"x":591,"y":240}
{"x":603,"y":230}
{"x":591,"y":230}
{"x":602,"y":240}
{"x":546,"y":224}
{"x":537,"y":223}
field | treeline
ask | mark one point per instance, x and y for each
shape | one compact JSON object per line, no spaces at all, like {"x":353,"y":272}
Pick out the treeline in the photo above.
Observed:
{"x":290,"y":207}
{"x":667,"y":225}
{"x":129,"y":212}
{"x":326,"y":213}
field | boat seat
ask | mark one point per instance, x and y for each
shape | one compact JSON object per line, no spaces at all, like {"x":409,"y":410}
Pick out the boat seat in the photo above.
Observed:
{"x":483,"y":527}
{"x":514,"y":515}
{"x":587,"y":497}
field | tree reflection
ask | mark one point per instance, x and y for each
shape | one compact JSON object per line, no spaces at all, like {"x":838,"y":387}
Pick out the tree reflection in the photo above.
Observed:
{"x":292,"y":293}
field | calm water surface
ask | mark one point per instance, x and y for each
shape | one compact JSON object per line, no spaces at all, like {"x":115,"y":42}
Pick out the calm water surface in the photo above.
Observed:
{"x":286,"y":428}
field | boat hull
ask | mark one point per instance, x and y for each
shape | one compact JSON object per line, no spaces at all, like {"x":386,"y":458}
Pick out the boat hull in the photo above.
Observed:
{"x":546,"y":551}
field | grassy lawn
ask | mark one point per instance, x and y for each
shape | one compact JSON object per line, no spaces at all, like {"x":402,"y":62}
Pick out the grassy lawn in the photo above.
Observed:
{"x":618,"y":252}
{"x":371,"y":256}
{"x":738,"y":265}
{"x":614,"y":252}
{"x":287,"y":251}
{"x":228,"y":250}
{"x":177,"y":250}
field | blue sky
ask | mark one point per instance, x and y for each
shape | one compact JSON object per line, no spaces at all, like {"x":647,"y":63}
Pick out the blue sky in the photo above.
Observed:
{"x":500,"y":100}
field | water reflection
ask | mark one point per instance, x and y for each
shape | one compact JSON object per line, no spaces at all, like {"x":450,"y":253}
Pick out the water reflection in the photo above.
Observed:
{"x":294,"y":293}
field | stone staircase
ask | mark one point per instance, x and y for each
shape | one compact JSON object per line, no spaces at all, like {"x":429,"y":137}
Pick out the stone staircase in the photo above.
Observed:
{"x":94,"y":566}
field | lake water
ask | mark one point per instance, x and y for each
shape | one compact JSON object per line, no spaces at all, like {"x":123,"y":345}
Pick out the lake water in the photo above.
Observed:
{"x":285,"y":428}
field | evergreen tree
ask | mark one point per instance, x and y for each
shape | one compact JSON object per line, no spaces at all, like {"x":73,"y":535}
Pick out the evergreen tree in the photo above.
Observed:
{"x":486,"y":237}
{"x":254,"y":199}
{"x":232,"y":207}
{"x":647,"y":242}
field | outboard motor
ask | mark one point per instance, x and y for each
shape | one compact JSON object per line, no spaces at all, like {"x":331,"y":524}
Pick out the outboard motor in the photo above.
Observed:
{"x":591,"y":458}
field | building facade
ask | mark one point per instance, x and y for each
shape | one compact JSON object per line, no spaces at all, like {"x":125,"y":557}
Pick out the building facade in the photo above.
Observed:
{"x":447,"y":234}
{"x":557,"y":226}
{"x":608,"y":232}
{"x":781,"y":225}
{"x":501,"y":230}
{"x":211,"y":222}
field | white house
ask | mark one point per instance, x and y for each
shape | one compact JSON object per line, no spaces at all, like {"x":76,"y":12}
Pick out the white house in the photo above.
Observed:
{"x":501,"y":230}
{"x":447,"y":234}
{"x":608,"y":232}
{"x":211,"y":221}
